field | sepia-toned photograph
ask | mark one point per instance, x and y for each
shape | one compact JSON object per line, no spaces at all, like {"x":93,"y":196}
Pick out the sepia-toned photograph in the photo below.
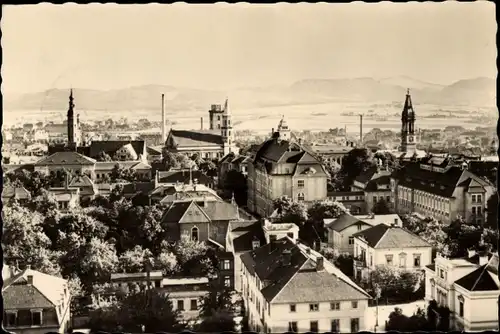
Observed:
{"x":250,"y":168}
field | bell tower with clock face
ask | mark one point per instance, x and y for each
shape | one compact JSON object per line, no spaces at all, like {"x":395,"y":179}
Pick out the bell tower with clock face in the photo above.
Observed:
{"x":408,"y":138}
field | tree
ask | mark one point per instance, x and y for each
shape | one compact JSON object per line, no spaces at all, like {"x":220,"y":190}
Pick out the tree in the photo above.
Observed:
{"x":24,"y":242}
{"x":381,"y":207}
{"x":357,"y":161}
{"x":401,"y":323}
{"x":151,"y":309}
{"x":208,"y":167}
{"x":123,"y":156}
{"x":120,"y":174}
{"x":166,"y":262}
{"x":397,"y":285}
{"x":218,"y":299}
{"x":132,"y":261}
{"x":492,"y":212}
{"x":345,"y":262}
{"x":103,"y":156}
{"x":170,"y":160}
{"x":462,"y":237}
{"x":290,"y":211}
{"x":219,"y":322}
{"x":78,"y":222}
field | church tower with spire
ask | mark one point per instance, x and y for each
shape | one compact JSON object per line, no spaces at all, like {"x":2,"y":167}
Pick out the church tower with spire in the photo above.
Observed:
{"x":408,"y":138}
{"x":227,"y":130}
{"x":73,"y":124}
{"x":284,"y":130}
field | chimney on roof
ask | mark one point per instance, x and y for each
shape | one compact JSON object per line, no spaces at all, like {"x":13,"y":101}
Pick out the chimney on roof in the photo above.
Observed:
{"x":29,"y":278}
{"x":320,"y":264}
{"x":308,"y":251}
{"x":483,"y":259}
{"x":396,"y":222}
{"x":255,"y":243}
{"x":272,"y":132}
{"x":471,"y":253}
{"x":287,"y":258}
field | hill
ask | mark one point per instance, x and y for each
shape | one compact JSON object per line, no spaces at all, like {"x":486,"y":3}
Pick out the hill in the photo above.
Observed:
{"x":476,"y":92}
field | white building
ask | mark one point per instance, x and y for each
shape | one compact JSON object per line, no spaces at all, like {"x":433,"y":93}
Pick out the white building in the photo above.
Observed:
{"x":289,"y":287}
{"x":468,"y":287}
{"x":393,"y":246}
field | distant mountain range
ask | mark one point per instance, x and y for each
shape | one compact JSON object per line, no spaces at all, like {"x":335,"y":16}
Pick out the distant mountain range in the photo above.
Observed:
{"x":480,"y":92}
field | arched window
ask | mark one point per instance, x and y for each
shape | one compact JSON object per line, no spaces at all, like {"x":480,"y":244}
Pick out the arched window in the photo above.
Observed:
{"x":194,"y":234}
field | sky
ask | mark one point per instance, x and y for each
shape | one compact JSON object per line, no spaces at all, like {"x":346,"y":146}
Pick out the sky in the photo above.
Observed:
{"x":225,"y":46}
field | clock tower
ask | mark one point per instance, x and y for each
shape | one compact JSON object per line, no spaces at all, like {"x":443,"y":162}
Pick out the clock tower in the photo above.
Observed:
{"x":408,"y":137}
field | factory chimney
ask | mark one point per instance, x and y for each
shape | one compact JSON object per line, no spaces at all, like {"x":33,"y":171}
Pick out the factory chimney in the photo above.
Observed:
{"x":361,"y":130}
{"x":201,"y":120}
{"x":163,"y":130}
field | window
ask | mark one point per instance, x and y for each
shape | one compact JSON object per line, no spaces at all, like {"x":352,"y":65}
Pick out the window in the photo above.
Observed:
{"x":461,"y":309}
{"x":313,"y":307}
{"x":180,"y":305}
{"x":388,"y":198}
{"x":335,"y":326}
{"x":388,"y":259}
{"x":300,"y":196}
{"x":374,"y":199}
{"x":479,"y":199}
{"x":371,"y":260}
{"x":351,"y":240}
{"x":314,"y":326}
{"x":354,"y":325}
{"x":36,"y":318}
{"x":300,"y":183}
{"x":292,"y":327}
{"x":402,"y":260}
{"x":360,"y":227}
{"x":334,"y":306}
{"x":293,"y":308}
{"x":354,"y":304}
{"x":194,"y":304}
{"x":441,"y":273}
{"x":227,"y":265}
{"x":416,"y":260}
{"x":227,"y":281}
{"x":10,"y":319}
{"x":194,"y":234}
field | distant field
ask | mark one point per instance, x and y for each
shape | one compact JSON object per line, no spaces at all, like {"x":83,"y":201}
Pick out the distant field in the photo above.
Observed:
{"x":304,"y":117}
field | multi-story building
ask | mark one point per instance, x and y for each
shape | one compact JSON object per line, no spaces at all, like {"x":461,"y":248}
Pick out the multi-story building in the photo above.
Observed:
{"x":282,"y":167}
{"x":437,"y":187}
{"x":128,"y":282}
{"x":213,"y":144}
{"x":289,"y":287}
{"x":375,"y":184}
{"x":386,"y":245}
{"x":36,"y":303}
{"x":341,"y":230}
{"x":10,"y":193}
{"x":469,"y":287}
{"x":331,"y":152}
{"x":234,"y":162}
{"x":354,"y":201}
{"x":186,"y":294}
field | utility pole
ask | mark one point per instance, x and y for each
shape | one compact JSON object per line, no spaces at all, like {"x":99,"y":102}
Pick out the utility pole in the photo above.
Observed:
{"x":377,"y":296}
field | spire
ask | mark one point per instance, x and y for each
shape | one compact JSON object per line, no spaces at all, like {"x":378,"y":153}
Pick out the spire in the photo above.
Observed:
{"x":226,"y":106}
{"x":408,"y":105}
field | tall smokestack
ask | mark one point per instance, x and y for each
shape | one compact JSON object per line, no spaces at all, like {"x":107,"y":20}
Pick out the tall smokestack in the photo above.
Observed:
{"x":201,"y":121}
{"x":163,"y":130}
{"x":360,"y":129}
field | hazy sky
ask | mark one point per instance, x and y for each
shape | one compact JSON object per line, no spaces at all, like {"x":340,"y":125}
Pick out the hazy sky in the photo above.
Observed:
{"x":222,"y":46}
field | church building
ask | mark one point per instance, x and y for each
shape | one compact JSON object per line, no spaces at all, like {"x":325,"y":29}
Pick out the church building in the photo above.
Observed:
{"x":213,"y":143}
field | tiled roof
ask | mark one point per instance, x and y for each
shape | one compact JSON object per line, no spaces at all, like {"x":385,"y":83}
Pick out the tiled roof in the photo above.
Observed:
{"x":65,"y":158}
{"x":384,"y":236}
{"x":366,"y":175}
{"x":109,"y":165}
{"x":138,"y":187}
{"x":154,"y":150}
{"x":111,"y":146}
{"x":480,"y":279}
{"x":441,"y":184}
{"x":220,"y":210}
{"x":228,"y":158}
{"x":15,"y":192}
{"x":184,"y":176}
{"x":275,"y":150}
{"x":175,"y":212}
{"x":298,"y":281}
{"x":81,"y":181}
{"x":312,"y":286}
{"x":244,"y":233}
{"x":379,"y":178}
{"x":46,"y":291}
{"x":342,"y":222}
{"x":196,"y":138}
{"x":387,"y":219}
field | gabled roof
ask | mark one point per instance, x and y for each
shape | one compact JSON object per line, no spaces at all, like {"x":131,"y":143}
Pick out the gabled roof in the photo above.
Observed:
{"x":300,"y":281}
{"x":109,"y":165}
{"x":138,"y":187}
{"x":65,"y":158}
{"x":111,"y":146}
{"x":15,"y":193}
{"x":45,"y":292}
{"x":80,"y":181}
{"x":195,"y":138}
{"x":213,"y":210}
{"x":342,"y":222}
{"x":175,"y":212}
{"x":383,"y":236}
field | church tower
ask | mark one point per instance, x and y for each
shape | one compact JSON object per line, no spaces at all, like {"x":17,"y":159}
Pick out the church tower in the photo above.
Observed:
{"x":408,"y":138}
{"x":284,"y":130}
{"x":73,"y":124}
{"x":227,"y":130}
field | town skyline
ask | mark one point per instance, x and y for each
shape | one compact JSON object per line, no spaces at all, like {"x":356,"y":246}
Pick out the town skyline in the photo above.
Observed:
{"x":222,"y":47}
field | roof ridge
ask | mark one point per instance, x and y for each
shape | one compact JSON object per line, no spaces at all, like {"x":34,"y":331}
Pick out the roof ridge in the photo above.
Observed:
{"x":295,"y":274}
{"x":383,"y":235}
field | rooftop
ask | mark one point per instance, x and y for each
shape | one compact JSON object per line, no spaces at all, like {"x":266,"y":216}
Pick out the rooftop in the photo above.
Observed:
{"x":383,"y":236}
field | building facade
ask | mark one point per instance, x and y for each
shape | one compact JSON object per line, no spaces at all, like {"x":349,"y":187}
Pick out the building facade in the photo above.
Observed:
{"x":284,"y":168}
